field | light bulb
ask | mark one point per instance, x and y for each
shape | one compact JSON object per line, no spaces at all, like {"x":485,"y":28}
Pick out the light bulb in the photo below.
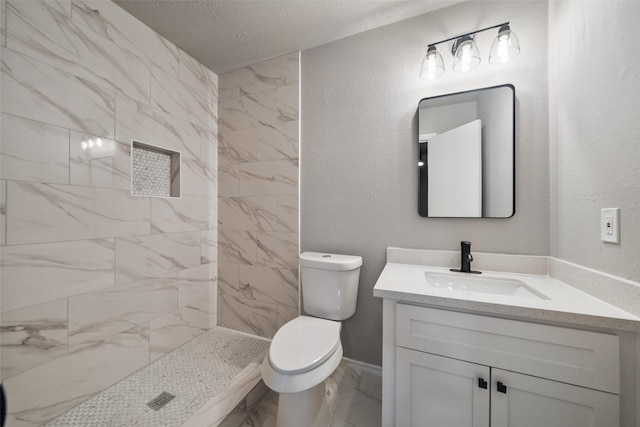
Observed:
{"x":432,"y":64}
{"x":466,"y":55}
{"x":505,"y":47}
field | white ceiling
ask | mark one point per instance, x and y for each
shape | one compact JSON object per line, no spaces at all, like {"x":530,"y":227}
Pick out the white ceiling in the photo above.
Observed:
{"x":228,"y":34}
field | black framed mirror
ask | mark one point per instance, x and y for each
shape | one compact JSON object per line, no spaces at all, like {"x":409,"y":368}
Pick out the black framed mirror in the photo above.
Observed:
{"x":466,"y":146}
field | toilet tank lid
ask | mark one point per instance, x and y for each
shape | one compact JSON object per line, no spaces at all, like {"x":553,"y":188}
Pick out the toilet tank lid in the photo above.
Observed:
{"x":327,"y":261}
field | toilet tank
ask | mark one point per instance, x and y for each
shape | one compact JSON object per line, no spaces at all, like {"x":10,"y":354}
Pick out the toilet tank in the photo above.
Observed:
{"x":330,"y":284}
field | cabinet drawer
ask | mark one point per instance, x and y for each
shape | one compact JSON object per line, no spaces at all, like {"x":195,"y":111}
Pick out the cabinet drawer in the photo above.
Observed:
{"x":587,"y":359}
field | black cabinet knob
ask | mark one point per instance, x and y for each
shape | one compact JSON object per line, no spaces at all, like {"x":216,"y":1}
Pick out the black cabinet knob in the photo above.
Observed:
{"x":482,"y":383}
{"x":502,"y":388}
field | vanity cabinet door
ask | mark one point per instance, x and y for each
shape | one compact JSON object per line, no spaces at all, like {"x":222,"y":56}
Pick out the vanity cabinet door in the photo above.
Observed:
{"x":526,"y":401}
{"x":435,"y":391}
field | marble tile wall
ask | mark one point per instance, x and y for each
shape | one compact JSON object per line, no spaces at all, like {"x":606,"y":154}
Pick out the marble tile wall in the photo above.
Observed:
{"x":258,"y":196}
{"x":97,"y":283}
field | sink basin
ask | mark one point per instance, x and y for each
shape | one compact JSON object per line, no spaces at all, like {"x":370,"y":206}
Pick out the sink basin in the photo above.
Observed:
{"x":483,"y":284}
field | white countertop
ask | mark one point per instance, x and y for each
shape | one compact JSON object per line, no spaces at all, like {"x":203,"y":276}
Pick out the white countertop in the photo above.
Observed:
{"x":566,"y":304}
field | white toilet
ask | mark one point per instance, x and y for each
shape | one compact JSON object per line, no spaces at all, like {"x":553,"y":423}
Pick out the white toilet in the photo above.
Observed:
{"x":306,"y":350}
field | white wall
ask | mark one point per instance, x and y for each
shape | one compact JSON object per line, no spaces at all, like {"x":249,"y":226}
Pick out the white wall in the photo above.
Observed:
{"x":359,"y":150}
{"x":594,"y":109}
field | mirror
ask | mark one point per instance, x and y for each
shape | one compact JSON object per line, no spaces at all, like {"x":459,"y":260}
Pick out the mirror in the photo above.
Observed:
{"x":467,"y":154}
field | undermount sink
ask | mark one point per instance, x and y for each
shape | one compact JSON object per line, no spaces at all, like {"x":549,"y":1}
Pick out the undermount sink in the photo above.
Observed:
{"x":488,"y":285}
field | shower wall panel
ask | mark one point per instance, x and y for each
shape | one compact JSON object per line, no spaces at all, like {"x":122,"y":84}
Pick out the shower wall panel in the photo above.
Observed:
{"x":97,"y":283}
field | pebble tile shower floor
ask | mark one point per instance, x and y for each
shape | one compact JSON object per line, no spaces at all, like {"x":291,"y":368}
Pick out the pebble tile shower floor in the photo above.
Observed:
{"x":194,"y":373}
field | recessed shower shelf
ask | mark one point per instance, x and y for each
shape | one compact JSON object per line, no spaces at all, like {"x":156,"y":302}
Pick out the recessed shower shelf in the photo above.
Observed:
{"x":155,"y":171}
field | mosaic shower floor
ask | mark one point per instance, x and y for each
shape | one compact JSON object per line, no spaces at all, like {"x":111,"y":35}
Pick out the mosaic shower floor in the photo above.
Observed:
{"x":208,"y":376}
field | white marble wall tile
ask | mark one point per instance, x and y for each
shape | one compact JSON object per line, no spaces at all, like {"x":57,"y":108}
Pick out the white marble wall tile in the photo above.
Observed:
{"x":108,"y":165}
{"x":114,"y":23}
{"x":37,"y":91}
{"x":240,"y":146}
{"x":228,"y":180}
{"x":278,"y":178}
{"x":61,"y":6}
{"x":237,"y":246}
{"x":34,"y":151}
{"x":274,"y":73}
{"x":72,"y":212}
{"x":177,"y":98}
{"x":3,"y":212}
{"x":199,"y":178}
{"x":229,"y":85}
{"x":196,"y":283}
{"x":288,"y":103}
{"x":41,"y":32}
{"x":208,"y":305}
{"x":198,"y":76}
{"x":32,"y":336}
{"x":250,"y":316}
{"x":277,"y":249}
{"x":275,"y":285}
{"x":172,"y":330}
{"x":187,"y":213}
{"x":250,"y":111}
{"x":66,"y":381}
{"x":279,"y":141}
{"x":209,"y":146}
{"x":288,"y":218}
{"x":209,"y":246}
{"x":249,"y":213}
{"x":286,"y":314}
{"x":135,"y":120}
{"x":34,"y":274}
{"x":95,"y":316}
{"x":147,"y":256}
{"x":229,"y":278}
{"x":3,"y":22}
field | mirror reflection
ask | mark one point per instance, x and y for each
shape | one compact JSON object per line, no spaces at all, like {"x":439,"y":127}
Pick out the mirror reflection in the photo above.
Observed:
{"x":467,"y":154}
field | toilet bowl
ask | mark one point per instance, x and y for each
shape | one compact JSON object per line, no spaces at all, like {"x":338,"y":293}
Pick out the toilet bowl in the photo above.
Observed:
{"x":302,"y":356}
{"x":307,"y":350}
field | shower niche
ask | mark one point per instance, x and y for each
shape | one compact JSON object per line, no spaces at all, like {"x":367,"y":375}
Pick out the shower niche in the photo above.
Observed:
{"x":155,"y":171}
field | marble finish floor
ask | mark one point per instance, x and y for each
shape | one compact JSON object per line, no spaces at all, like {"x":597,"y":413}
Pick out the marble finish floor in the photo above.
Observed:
{"x":359,"y":400}
{"x":208,"y":377}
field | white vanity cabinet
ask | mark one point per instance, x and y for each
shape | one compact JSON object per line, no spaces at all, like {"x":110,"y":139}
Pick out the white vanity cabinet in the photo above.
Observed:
{"x":459,"y":369}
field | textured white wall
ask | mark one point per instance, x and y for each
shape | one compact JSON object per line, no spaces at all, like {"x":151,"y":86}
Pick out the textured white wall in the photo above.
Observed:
{"x":359,"y":150}
{"x":594,"y":107}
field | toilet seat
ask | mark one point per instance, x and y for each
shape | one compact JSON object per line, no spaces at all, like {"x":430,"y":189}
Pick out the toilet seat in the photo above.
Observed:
{"x":303,"y":343}
{"x":303,"y":353}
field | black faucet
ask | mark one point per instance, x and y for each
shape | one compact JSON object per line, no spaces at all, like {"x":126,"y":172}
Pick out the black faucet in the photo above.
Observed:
{"x":465,"y":259}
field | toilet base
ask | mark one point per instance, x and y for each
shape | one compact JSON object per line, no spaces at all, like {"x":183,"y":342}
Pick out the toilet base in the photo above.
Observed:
{"x":313,"y":407}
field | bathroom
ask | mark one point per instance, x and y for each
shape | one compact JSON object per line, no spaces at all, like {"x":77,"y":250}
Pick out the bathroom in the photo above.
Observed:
{"x":130,"y":279}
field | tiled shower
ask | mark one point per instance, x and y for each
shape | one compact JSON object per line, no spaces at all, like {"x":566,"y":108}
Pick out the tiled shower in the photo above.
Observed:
{"x":97,"y":283}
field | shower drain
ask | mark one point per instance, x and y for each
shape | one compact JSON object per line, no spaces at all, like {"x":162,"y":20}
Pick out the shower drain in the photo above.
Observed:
{"x":160,"y":401}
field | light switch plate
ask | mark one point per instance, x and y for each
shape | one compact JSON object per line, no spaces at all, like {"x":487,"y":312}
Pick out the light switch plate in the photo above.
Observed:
{"x":610,"y":225}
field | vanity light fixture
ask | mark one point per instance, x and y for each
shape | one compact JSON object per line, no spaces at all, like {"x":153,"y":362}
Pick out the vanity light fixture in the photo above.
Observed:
{"x":465,"y":52}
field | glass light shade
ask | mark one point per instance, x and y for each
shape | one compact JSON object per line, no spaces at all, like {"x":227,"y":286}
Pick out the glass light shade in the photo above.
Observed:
{"x":432,"y":64}
{"x":505,"y":47}
{"x":466,"y":55}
